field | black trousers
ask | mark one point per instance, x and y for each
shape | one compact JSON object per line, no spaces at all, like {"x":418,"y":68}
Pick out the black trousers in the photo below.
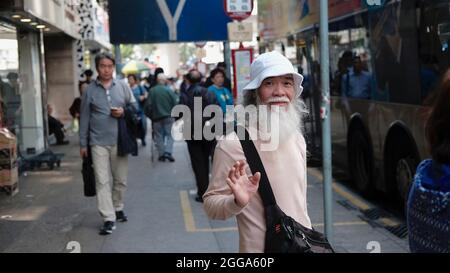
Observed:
{"x":200,"y":151}
{"x":56,"y":127}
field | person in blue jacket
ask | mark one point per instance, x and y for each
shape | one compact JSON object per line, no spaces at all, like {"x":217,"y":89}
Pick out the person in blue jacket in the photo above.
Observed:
{"x":223,"y":96}
{"x":428,"y":208}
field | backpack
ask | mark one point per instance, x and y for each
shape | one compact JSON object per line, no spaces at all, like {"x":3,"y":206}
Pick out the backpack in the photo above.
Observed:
{"x":147,"y":108}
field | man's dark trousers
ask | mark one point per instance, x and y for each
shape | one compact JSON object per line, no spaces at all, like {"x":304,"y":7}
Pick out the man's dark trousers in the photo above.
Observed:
{"x":199,"y":151}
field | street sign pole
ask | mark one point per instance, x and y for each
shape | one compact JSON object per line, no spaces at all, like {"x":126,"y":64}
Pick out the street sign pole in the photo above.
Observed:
{"x":227,"y":57}
{"x":237,"y":10}
{"x":325,"y":114}
{"x":118,"y":57}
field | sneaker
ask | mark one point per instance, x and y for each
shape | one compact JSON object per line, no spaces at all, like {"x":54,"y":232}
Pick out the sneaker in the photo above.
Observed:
{"x":121,"y":217}
{"x":169,"y":157}
{"x":107,"y":228}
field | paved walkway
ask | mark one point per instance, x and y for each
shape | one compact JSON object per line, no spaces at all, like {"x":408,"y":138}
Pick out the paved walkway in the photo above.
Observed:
{"x":50,"y":211}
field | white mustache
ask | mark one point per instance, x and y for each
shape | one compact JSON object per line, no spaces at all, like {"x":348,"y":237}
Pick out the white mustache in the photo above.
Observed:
{"x":278,"y":99}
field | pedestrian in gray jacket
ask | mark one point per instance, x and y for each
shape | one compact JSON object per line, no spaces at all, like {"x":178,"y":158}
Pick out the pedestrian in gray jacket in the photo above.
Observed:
{"x":102,"y":105}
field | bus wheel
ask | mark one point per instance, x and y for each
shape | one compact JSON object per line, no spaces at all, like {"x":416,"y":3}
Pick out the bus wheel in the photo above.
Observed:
{"x":360,"y":162}
{"x":404,"y":175}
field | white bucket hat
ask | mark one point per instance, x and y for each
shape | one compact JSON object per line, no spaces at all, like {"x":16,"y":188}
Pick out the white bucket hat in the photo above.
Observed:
{"x":272,"y":64}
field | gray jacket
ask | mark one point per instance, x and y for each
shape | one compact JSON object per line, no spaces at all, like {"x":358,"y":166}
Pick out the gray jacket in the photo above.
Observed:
{"x":97,"y":126}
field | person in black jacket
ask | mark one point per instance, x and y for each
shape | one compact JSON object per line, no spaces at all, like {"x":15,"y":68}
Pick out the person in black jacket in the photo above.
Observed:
{"x":199,"y":149}
{"x":55,"y":127}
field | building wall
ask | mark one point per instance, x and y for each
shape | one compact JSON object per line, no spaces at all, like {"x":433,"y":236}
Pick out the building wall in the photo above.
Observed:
{"x":168,"y":57}
{"x":62,"y":75}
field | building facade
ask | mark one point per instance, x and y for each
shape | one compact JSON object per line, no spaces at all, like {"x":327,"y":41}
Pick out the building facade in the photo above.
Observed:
{"x":42,"y":49}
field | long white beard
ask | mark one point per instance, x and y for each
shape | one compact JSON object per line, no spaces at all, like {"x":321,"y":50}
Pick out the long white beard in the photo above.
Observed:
{"x":281,"y":124}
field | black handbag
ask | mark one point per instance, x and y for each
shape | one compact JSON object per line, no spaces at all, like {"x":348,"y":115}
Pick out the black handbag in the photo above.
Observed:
{"x":88,"y":175}
{"x":283,"y":233}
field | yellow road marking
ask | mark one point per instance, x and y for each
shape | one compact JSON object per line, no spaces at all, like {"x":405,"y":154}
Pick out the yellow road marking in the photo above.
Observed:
{"x":225,"y":229}
{"x":190,"y":226}
{"x":343,"y":224}
{"x":389,"y":222}
{"x":355,"y":200}
{"x":189,"y":222}
{"x":338,"y":224}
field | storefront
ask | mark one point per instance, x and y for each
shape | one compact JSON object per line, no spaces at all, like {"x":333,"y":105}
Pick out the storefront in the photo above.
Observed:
{"x":94,"y":31}
{"x":26,"y":81}
{"x":21,"y":85}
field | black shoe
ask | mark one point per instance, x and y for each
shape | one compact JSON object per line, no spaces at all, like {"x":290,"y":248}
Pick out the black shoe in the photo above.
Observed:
{"x":162,"y":158}
{"x":64,"y":142}
{"x":199,"y":199}
{"x":107,"y":228}
{"x":169,"y":157}
{"x":121,"y":217}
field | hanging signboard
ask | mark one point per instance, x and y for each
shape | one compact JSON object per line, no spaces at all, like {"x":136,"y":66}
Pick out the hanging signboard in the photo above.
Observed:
{"x":242,"y":59}
{"x":240,"y":32}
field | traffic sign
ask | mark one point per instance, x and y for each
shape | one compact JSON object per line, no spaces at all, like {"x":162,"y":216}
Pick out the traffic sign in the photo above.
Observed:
{"x":238,"y":9}
{"x":160,"y":21}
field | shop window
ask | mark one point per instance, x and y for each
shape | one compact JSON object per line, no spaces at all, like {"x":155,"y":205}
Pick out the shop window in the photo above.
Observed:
{"x":434,"y":53}
{"x":349,"y":50}
{"x":10,"y":92}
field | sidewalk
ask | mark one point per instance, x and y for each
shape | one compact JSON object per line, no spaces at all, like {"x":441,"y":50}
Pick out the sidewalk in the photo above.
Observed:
{"x":50,"y":211}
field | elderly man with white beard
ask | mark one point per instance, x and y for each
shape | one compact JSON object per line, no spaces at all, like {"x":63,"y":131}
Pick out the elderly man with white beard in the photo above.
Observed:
{"x":233,"y":190}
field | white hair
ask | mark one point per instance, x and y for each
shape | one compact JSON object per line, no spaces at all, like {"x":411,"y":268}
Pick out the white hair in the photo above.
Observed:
{"x":161,"y":78}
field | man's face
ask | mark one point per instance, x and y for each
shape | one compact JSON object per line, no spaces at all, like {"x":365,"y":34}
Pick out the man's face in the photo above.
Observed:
{"x":357,"y":65}
{"x":277,"y":91}
{"x":105,"y":69}
{"x":218,"y":79}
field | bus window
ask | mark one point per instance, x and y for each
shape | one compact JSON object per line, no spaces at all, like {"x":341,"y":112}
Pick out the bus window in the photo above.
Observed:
{"x":349,"y":48}
{"x":433,"y":46}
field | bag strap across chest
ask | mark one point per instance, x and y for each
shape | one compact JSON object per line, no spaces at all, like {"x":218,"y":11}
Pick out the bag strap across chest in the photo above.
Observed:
{"x":256,"y":165}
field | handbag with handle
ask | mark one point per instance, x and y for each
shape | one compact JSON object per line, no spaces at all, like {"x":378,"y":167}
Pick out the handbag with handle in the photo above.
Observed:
{"x":283,"y":233}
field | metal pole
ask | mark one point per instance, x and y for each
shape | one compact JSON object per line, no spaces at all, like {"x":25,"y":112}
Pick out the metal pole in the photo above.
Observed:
{"x":325,"y":111}
{"x":118,"y":56}
{"x":44,"y":87}
{"x":227,"y":57}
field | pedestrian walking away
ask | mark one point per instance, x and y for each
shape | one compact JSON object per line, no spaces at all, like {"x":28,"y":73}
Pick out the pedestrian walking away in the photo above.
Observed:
{"x":199,"y":149}
{"x":159,"y":107}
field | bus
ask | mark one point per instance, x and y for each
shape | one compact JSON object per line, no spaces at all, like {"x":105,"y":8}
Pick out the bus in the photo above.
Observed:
{"x":385,"y":62}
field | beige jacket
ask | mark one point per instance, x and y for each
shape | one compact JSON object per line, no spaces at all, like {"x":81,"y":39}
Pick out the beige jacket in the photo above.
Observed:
{"x":286,"y":170}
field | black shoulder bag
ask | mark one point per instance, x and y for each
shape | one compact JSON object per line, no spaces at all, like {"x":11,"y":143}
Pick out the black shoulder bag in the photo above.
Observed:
{"x":88,"y":175}
{"x":283,"y":234}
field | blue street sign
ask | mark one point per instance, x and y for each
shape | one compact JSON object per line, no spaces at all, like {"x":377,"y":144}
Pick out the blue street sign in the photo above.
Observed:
{"x":160,"y":21}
